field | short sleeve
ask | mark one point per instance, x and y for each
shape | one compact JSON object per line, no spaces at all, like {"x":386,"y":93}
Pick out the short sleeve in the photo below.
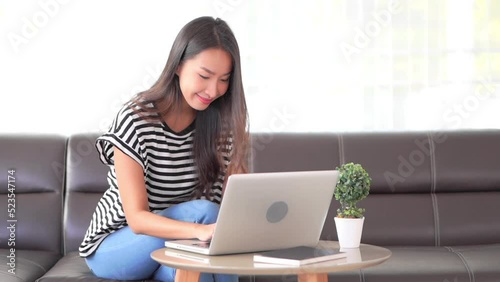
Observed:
{"x":122,"y":134}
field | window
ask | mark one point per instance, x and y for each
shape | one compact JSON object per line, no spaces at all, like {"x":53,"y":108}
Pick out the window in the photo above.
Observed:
{"x":358,"y":65}
{"x":308,"y":66}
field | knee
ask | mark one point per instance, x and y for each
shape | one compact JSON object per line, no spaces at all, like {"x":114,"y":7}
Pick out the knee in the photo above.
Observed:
{"x":209,"y":210}
{"x":209,"y":207}
{"x":197,"y":211}
{"x":206,"y":205}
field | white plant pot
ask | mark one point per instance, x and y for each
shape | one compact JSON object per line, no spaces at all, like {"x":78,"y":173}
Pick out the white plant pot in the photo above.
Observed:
{"x":349,"y":231}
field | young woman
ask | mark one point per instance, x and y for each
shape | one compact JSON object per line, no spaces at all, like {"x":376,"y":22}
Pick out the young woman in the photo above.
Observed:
{"x":169,"y":151}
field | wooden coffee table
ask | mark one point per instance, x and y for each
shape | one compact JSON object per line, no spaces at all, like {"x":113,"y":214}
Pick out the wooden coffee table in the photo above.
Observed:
{"x":190,"y":265}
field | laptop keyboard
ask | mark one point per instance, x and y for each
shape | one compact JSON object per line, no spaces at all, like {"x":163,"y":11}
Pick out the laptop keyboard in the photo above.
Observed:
{"x":202,"y":244}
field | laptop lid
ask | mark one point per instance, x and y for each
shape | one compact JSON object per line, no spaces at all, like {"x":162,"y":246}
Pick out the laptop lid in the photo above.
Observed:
{"x":267,"y":211}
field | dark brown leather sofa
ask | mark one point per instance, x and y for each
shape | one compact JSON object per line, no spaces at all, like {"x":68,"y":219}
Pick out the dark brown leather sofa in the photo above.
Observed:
{"x":434,"y":201}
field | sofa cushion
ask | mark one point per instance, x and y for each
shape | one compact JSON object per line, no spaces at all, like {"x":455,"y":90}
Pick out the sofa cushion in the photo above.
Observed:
{"x":85,"y":183}
{"x":468,"y":218}
{"x":28,"y":265}
{"x":391,"y":220}
{"x":38,"y":162}
{"x":293,"y":152}
{"x":397,"y":163}
{"x":431,"y":264}
{"x":448,"y":182}
{"x":71,"y":268}
{"x":482,"y":261}
{"x":467,"y":187}
{"x":438,"y":264}
{"x":468,"y":161}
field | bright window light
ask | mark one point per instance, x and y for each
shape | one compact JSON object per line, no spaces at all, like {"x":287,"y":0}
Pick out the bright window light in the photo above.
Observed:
{"x":308,"y":66}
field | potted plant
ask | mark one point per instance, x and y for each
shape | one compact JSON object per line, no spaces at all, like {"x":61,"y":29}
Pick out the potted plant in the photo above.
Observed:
{"x":353,"y":185}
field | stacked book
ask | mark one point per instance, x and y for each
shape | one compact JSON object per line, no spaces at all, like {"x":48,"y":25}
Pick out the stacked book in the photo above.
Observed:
{"x":298,"y":255}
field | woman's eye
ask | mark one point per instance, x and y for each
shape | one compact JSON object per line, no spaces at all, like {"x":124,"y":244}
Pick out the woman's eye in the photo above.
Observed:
{"x":204,"y":77}
{"x":225,"y":79}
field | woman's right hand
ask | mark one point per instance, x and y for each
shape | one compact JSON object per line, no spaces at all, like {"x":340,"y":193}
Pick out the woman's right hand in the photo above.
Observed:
{"x":204,"y":232}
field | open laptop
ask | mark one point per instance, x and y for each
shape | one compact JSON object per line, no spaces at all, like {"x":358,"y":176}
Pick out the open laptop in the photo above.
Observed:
{"x":268,"y":211}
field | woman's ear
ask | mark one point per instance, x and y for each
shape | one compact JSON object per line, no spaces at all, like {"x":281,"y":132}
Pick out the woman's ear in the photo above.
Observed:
{"x":178,"y":70}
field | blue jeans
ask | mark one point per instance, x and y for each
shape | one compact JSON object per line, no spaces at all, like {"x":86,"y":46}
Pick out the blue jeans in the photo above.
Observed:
{"x":124,"y":255}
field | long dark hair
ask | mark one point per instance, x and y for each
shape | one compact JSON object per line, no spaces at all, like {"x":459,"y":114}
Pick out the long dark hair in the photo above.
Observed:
{"x":224,"y":121}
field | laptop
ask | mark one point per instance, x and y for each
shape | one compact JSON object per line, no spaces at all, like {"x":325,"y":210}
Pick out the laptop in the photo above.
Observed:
{"x":268,"y":211}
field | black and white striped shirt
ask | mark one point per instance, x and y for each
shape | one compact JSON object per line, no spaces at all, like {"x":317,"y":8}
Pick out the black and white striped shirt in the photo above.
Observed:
{"x":169,"y":170}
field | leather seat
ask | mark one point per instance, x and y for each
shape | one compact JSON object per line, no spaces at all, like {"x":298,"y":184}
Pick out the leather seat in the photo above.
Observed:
{"x":38,"y":162}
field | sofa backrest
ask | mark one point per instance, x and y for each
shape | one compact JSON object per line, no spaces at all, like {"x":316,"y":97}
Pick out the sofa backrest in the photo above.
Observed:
{"x":428,"y":188}
{"x":293,"y":152}
{"x":85,"y":184}
{"x":31,"y":211}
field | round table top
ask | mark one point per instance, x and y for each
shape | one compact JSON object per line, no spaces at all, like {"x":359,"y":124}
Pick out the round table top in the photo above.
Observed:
{"x":243,"y":264}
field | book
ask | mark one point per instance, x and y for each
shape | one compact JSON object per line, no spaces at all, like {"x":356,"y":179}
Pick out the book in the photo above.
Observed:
{"x":298,"y":255}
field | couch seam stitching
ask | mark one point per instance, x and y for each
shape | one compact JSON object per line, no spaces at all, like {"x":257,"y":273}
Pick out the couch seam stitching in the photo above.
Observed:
{"x":433,"y":164}
{"x":64,"y":197}
{"x":437,"y":234}
{"x":472,"y":278}
{"x":436,"y":220}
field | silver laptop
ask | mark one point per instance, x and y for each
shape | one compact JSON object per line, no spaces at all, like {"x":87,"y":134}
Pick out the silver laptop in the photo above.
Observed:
{"x":267,"y":211}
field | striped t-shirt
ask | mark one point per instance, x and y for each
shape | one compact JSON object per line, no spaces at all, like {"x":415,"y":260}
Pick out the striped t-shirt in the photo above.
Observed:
{"x":169,"y":171}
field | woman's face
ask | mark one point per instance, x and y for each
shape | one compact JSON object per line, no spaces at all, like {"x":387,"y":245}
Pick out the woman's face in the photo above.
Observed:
{"x":205,"y":77}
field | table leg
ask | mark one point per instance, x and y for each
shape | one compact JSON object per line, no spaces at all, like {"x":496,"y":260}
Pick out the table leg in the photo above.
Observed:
{"x":182,"y":275}
{"x":313,"y":277}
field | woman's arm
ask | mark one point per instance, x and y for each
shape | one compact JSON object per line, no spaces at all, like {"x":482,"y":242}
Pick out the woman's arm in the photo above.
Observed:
{"x":130,"y":177}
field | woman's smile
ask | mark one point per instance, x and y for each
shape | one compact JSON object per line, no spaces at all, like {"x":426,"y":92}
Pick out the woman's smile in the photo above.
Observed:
{"x":204,"y":100}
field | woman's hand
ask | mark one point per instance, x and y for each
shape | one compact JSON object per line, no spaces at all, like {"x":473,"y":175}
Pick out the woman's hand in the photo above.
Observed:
{"x":204,"y":232}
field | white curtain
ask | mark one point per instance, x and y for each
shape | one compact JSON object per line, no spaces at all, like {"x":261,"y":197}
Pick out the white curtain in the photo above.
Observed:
{"x":308,"y":66}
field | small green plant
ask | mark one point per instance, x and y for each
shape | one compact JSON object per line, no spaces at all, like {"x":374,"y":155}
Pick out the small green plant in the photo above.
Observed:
{"x":353,"y":186}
